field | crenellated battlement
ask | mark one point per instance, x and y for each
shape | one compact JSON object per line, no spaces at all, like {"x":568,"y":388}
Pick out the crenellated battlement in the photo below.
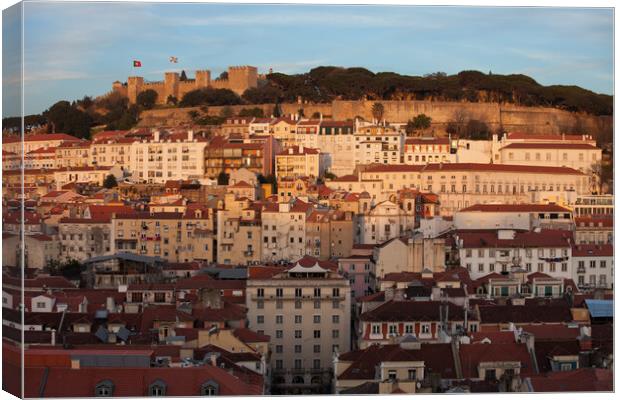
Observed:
{"x":240,"y":78}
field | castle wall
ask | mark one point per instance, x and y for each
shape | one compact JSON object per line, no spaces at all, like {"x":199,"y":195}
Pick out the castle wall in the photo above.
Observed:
{"x":158,"y":87}
{"x":509,"y":117}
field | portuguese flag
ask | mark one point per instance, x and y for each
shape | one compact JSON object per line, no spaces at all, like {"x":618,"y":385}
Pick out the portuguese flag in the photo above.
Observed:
{"x":136,"y":63}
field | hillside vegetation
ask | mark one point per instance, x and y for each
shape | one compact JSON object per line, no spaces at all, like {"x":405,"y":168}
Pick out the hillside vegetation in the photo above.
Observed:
{"x":324,"y":84}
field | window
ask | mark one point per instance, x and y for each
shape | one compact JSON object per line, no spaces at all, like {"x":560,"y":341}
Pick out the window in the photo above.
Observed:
{"x":298,"y":292}
{"x":260,"y":304}
{"x":316,"y":319}
{"x":411,"y":374}
{"x":298,"y":334}
{"x":279,"y":334}
{"x":317,"y":304}
{"x":376,"y":329}
{"x":279,"y":304}
{"x":335,"y":333}
{"x":491,"y":267}
{"x":336,"y":292}
{"x":317,"y":348}
{"x":335,"y":304}
{"x":260,"y":319}
{"x":317,"y":292}
{"x":335,"y":319}
{"x":279,"y":364}
{"x":279,"y":348}
{"x":317,"y":334}
{"x":392,"y":374}
{"x":260,"y":292}
{"x":426,"y":328}
{"x":409,"y":328}
{"x":297,"y":348}
{"x":603,"y":264}
{"x":298,"y":304}
{"x":489,"y":374}
{"x":157,"y":388}
{"x":564,"y":267}
{"x":480,"y":267}
{"x":279,"y":292}
{"x":298,"y":319}
{"x":104,"y":389}
{"x":210,"y":388}
{"x":592,"y":264}
{"x":316,"y":364}
{"x":279,"y":319}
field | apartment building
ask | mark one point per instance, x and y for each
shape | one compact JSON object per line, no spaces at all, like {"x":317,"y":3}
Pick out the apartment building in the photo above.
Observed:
{"x":306,"y":310}
{"x":238,"y":232}
{"x":595,"y":229}
{"x":91,"y":175}
{"x":514,"y":216}
{"x":593,"y":265}
{"x":427,"y":150}
{"x":174,"y":237}
{"x":284,"y":230}
{"x":386,"y":220}
{"x":84,"y":238}
{"x":329,"y":233}
{"x":461,"y":185}
{"x":382,"y":144}
{"x":108,"y":151}
{"x":487,"y":251}
{"x":168,"y":157}
{"x":73,"y":154}
{"x":41,"y":158}
{"x":298,"y":161}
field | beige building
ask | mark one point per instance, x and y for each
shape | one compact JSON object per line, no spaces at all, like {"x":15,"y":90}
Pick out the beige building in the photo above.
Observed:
{"x":73,"y":154}
{"x":83,"y":238}
{"x":175,"y":237}
{"x":329,"y":234}
{"x":92,"y":175}
{"x":238,"y":232}
{"x":298,"y":161}
{"x":306,"y":310}
{"x":39,"y":250}
{"x":108,"y":151}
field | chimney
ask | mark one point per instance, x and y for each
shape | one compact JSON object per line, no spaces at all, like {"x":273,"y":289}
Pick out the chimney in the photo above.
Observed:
{"x":213,"y":358}
{"x":389,"y":293}
{"x":156,"y":136}
{"x":110,"y":305}
{"x":290,"y":150}
{"x":190,"y":135}
{"x":53,"y":342}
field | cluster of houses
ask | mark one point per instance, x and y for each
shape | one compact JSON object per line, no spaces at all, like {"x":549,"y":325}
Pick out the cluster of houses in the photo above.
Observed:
{"x":294,"y":256}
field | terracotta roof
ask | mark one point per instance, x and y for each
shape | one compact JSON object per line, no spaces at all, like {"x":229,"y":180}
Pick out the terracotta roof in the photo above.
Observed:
{"x":40,"y":137}
{"x":494,"y":336}
{"x":532,"y":169}
{"x":473,"y":354}
{"x":583,"y":222}
{"x":503,"y":314}
{"x":437,"y":358}
{"x":559,"y":146}
{"x":249,"y":336}
{"x":298,"y":151}
{"x":427,"y":140}
{"x":407,"y":310}
{"x":533,"y":208}
{"x":579,"y":380}
{"x":488,"y":238}
{"x":546,"y":350}
{"x":593,"y":250}
{"x":553,"y":137}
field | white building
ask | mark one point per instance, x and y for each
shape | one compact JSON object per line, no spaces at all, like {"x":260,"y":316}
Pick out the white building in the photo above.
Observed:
{"x":386,"y":220}
{"x":170,"y":157}
{"x":486,"y":251}
{"x":593,"y":265}
{"x":513,"y":216}
{"x":426,"y":150}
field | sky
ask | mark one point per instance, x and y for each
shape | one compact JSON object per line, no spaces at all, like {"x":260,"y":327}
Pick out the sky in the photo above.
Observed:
{"x":77,"y":49}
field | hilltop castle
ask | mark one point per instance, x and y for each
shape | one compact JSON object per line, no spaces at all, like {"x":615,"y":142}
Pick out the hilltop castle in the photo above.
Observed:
{"x":239,"y":80}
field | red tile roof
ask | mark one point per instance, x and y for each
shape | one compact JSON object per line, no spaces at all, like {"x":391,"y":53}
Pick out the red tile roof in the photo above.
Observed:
{"x":553,"y":137}
{"x":532,"y":208}
{"x":593,"y":250}
{"x":249,"y":336}
{"x":559,"y":146}
{"x":427,"y":140}
{"x":528,"y":314}
{"x":579,"y":380}
{"x":488,"y":238}
{"x":407,"y":310}
{"x":473,"y":354}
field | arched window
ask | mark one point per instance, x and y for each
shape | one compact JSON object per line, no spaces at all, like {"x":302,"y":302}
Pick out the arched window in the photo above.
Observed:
{"x":104,"y":388}
{"x":157,"y":388}
{"x":210,"y":388}
{"x":298,"y":379}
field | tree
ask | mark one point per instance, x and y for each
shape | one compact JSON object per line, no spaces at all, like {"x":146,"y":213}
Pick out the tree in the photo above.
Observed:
{"x":193,"y":114}
{"x":418,"y":123}
{"x":223,"y":75}
{"x":477,"y":130}
{"x":110,"y":182}
{"x":277,"y":112}
{"x":300,"y":113}
{"x":252,"y":112}
{"x":67,"y":118}
{"x":265,"y":94}
{"x":183,"y":77}
{"x":70,"y":269}
{"x":172,"y":100}
{"x":329,"y":175}
{"x":377,"y":111}
{"x":226,"y":112}
{"x":147,"y":99}
{"x":222,"y":178}
{"x":210,"y":96}
{"x":316,"y":115}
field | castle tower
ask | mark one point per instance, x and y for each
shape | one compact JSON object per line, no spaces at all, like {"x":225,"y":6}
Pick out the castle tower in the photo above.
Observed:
{"x":242,"y":78}
{"x":134,"y":87}
{"x":171,"y":85}
{"x":203,"y":79}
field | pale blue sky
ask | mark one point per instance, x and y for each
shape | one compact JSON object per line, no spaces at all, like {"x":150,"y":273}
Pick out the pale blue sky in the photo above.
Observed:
{"x":77,"y":49}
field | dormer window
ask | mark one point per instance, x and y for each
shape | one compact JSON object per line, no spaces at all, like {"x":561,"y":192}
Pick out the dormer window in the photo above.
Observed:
{"x":104,"y":388}
{"x":210,"y":388}
{"x":157,"y":388}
